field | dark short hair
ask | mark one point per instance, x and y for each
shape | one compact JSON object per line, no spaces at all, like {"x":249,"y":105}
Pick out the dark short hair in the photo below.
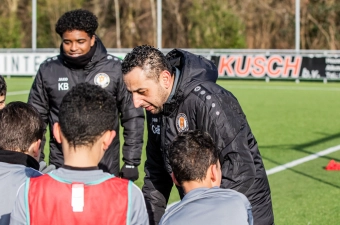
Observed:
{"x":191,"y":154}
{"x":147,"y":58}
{"x":3,"y":86}
{"x":20,"y":126}
{"x":78,"y":19}
{"x":85,"y":113}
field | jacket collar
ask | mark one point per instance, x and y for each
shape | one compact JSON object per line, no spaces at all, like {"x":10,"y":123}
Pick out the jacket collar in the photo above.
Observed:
{"x":194,"y":70}
{"x":99,"y":53}
{"x":20,"y":158}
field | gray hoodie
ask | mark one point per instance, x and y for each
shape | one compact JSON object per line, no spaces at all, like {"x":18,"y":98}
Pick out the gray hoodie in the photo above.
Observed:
{"x":15,"y":168}
{"x":213,"y":206}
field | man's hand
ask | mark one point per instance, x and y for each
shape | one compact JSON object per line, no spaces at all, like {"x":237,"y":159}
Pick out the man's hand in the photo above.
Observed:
{"x":129,"y":172}
{"x":44,"y":168}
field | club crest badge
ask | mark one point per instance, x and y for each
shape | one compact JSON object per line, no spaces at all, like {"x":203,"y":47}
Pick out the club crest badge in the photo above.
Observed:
{"x":182,"y":122}
{"x":102,"y":80}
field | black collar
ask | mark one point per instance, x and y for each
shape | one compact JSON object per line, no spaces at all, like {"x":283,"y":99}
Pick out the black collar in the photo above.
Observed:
{"x":79,"y":62}
{"x":80,"y":168}
{"x":13,"y":157}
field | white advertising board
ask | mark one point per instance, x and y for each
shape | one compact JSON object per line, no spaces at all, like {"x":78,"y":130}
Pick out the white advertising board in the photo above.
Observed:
{"x":22,"y":63}
{"x":27,"y":64}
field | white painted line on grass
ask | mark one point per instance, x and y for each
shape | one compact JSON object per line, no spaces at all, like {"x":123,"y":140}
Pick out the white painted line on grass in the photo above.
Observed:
{"x":17,"y":93}
{"x":303,"y":160}
{"x":285,"y":88}
{"x":290,"y":164}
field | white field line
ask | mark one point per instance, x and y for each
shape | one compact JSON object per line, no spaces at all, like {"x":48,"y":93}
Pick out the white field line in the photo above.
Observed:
{"x":17,"y":93}
{"x":284,"y":88}
{"x":290,"y":164}
{"x":303,"y":160}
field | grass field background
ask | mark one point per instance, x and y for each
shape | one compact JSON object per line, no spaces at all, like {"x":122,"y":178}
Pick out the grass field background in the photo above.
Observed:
{"x":290,"y":121}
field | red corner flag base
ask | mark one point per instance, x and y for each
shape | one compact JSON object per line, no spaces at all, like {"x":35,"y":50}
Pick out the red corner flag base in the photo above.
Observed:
{"x":333,"y":165}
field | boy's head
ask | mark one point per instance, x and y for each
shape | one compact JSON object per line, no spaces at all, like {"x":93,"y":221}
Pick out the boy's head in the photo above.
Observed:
{"x":3,"y":91}
{"x":85,"y":114}
{"x":21,"y":129}
{"x":79,"y":19}
{"x":77,"y":29}
{"x":193,"y":157}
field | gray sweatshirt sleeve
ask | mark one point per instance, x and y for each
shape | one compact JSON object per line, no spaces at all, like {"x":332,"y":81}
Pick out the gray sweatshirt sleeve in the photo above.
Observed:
{"x":248,"y":208}
{"x":18,"y":215}
{"x":137,"y":207}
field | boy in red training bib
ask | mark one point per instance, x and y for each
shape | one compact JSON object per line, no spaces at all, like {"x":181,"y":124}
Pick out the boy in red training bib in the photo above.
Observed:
{"x":78,"y":192}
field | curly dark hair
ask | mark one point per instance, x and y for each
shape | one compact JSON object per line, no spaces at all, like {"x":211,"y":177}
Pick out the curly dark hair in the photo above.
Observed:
{"x":191,"y":154}
{"x":86,"y":112}
{"x":149,"y":59}
{"x":3,"y":86}
{"x":78,"y":19}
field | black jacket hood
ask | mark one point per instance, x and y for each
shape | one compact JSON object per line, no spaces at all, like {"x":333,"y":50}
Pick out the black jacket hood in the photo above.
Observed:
{"x":100,"y":53}
{"x":195,"y":69}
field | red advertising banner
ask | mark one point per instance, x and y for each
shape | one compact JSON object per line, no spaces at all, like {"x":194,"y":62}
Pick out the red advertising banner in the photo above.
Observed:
{"x":277,"y":66}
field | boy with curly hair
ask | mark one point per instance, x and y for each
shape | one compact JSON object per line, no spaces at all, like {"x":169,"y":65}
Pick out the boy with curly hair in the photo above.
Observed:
{"x":84,"y":58}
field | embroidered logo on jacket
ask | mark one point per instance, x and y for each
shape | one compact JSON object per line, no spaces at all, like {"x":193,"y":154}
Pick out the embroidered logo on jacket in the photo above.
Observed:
{"x":182,"y":122}
{"x":156,"y":129}
{"x":102,"y":80}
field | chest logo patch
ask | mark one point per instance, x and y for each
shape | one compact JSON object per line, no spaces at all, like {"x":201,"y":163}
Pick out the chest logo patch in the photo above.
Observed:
{"x":182,"y":122}
{"x":102,"y":80}
{"x":156,"y":129}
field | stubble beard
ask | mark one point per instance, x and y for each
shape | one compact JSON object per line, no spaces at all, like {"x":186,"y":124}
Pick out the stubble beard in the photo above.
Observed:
{"x":163,"y":98}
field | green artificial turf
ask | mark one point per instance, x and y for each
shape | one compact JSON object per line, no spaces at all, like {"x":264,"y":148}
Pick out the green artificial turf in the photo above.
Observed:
{"x":290,"y":121}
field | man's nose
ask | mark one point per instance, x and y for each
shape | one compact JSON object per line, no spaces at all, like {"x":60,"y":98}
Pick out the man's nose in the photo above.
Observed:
{"x":137,"y":100}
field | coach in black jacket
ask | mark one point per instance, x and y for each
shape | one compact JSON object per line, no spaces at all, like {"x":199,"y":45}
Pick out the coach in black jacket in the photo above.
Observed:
{"x":179,"y":93}
{"x":83,"y":58}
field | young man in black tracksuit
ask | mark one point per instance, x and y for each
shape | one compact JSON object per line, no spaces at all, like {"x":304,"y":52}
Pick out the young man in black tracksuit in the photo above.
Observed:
{"x":180,"y":93}
{"x":84,"y":58}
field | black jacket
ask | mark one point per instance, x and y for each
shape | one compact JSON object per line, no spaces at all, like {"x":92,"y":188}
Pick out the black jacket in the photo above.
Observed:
{"x":55,"y":77}
{"x":199,"y":103}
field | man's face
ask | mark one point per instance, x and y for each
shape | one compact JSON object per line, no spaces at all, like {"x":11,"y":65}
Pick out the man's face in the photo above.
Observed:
{"x":147,"y":93}
{"x":2,"y":101}
{"x":77,"y":42}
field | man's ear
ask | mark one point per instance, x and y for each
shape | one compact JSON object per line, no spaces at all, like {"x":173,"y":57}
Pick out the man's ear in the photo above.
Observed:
{"x":57,"y":132}
{"x":166,"y":79}
{"x":108,"y":137}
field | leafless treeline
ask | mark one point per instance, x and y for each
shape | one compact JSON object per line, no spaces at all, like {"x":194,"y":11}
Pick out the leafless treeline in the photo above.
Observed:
{"x":186,"y":23}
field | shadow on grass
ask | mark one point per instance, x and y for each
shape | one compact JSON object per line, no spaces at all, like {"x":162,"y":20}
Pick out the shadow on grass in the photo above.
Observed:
{"x":302,"y":147}
{"x":304,"y":174}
